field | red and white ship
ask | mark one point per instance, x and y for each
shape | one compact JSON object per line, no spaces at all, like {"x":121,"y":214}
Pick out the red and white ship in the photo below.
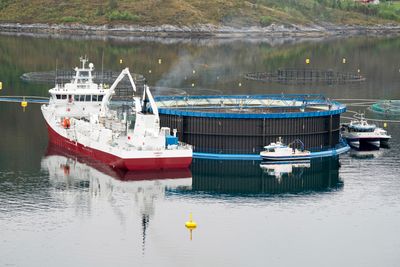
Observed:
{"x":130,"y":140}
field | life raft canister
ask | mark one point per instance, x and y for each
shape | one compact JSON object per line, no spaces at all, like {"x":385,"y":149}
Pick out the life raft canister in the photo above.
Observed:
{"x":66,"y":123}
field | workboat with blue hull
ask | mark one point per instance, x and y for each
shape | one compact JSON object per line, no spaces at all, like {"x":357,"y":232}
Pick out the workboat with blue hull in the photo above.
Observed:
{"x":281,"y":152}
{"x":288,"y":153}
{"x":360,"y":134}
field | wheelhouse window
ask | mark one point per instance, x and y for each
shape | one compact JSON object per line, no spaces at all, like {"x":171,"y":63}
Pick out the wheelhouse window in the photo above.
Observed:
{"x":58,"y":96}
{"x":82,"y":98}
{"x":84,"y":73}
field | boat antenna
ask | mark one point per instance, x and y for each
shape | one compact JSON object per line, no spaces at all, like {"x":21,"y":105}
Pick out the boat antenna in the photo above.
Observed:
{"x":102,"y":68}
{"x":55,"y":78}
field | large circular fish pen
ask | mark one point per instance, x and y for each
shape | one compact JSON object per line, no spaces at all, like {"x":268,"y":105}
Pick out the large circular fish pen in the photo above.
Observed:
{"x":245,"y":124}
{"x":305,"y":76}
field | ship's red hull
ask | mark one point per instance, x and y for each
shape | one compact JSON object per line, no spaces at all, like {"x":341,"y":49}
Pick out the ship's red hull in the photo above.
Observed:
{"x":117,"y":162}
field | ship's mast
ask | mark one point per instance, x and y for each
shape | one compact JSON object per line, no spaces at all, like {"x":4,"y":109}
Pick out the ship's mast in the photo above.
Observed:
{"x":83,"y":60}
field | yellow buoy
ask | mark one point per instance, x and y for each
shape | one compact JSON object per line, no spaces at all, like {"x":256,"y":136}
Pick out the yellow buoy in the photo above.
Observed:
{"x":344,"y":60}
{"x":149,"y":71}
{"x":192,"y":84}
{"x":194,"y":71}
{"x":159,"y":61}
{"x":1,"y":85}
{"x":307,"y":61}
{"x":358,"y":70}
{"x":191,"y":225}
{"x":120,"y":61}
{"x":384,"y":125}
{"x":240,"y":84}
{"x":24,"y":104}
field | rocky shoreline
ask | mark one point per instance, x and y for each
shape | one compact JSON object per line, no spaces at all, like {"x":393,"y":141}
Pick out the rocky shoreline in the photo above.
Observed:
{"x":203,"y":30}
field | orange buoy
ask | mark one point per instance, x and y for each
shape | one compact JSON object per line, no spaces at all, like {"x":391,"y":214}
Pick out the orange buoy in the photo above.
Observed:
{"x":66,"y":123}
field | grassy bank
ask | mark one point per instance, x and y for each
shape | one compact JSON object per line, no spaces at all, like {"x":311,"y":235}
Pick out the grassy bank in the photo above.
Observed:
{"x":191,"y":12}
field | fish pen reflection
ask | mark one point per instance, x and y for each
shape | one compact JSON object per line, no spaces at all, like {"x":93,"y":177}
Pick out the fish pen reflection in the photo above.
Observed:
{"x":251,"y":177}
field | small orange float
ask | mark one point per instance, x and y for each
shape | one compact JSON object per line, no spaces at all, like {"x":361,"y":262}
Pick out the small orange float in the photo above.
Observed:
{"x":66,"y":123}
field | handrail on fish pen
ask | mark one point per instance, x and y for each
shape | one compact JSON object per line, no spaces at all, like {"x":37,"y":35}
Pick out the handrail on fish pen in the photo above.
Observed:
{"x":305,"y":76}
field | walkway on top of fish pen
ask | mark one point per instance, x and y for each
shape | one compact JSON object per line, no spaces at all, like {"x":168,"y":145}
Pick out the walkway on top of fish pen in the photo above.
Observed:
{"x":301,"y":76}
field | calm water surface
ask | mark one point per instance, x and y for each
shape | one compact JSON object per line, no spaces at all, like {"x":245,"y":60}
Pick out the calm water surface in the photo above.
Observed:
{"x":57,"y":209}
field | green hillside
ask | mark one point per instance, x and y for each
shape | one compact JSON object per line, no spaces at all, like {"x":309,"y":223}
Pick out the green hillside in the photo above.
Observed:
{"x":192,"y":12}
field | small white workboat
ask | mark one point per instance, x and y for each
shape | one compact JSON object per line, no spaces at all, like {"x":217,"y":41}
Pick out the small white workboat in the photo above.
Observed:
{"x":281,"y":152}
{"x":359,"y":133}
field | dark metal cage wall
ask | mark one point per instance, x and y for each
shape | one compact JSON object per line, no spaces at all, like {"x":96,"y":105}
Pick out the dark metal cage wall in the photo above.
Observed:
{"x":247,"y":136}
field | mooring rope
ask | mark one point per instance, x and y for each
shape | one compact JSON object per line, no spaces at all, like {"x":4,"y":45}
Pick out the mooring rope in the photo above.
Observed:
{"x":28,"y":99}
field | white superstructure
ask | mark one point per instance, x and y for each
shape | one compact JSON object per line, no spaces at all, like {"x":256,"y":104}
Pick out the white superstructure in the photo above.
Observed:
{"x":79,"y":98}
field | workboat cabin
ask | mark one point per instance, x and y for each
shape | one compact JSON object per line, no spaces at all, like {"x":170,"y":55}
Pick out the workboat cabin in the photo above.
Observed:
{"x":82,"y":96}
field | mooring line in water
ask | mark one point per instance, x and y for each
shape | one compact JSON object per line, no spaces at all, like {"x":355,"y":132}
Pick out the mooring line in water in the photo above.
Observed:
{"x":363,"y":104}
{"x":355,"y":99}
{"x":28,"y":99}
{"x":382,"y":120}
{"x":369,"y":119}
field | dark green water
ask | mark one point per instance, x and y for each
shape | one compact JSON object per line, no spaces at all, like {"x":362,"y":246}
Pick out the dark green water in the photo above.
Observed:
{"x":57,"y":209}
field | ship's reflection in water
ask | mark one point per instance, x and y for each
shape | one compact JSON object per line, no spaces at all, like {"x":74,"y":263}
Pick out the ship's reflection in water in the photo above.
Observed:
{"x":214,"y":176}
{"x":80,"y":179}
{"x":251,"y":177}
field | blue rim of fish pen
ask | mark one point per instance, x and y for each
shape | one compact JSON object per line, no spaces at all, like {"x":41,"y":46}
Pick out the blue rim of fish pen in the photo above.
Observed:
{"x":336,"y":107}
{"x":318,"y":154}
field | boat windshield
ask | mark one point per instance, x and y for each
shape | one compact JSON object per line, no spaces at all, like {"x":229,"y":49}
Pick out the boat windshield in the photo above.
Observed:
{"x":361,"y":129}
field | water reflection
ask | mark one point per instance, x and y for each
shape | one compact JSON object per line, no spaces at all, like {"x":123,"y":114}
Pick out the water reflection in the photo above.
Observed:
{"x":249,"y":177}
{"x":80,"y":181}
{"x":366,"y":154}
{"x":281,"y":169}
